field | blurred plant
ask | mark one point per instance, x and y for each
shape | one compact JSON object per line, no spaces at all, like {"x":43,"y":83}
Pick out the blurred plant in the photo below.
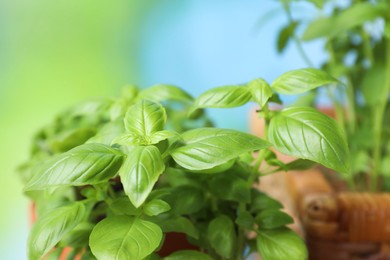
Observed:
{"x":356,"y":37}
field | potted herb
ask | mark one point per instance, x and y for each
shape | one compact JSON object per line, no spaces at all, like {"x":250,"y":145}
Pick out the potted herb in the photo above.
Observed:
{"x":356,"y":39}
{"x":112,"y":179}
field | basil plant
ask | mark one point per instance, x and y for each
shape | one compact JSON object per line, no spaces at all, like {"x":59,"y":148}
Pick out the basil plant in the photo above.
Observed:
{"x":356,"y":38}
{"x":113,"y":179}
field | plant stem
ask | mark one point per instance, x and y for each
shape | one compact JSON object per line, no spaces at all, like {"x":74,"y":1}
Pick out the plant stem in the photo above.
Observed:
{"x":297,"y":41}
{"x":379,"y":111}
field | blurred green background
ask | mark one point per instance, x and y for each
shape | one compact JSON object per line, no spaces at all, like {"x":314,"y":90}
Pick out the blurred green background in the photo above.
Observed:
{"x":56,"y":53}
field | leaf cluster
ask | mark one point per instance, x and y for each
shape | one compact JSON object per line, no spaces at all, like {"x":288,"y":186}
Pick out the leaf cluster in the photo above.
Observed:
{"x":118,"y":193}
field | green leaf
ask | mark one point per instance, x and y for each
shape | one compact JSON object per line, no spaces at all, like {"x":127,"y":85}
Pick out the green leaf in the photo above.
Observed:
{"x":86,"y":164}
{"x":50,"y":228}
{"x":123,"y":206}
{"x":206,"y":148}
{"x":164,"y":92}
{"x":222,"y":236}
{"x":309,"y":134}
{"x":140,"y":172}
{"x":260,"y":90}
{"x":179,"y":225}
{"x":228,"y":186}
{"x":162,"y":135}
{"x":300,"y":164}
{"x":356,"y":15}
{"x":145,"y":118}
{"x":302,"y":80}
{"x":261,"y":201}
{"x":70,"y":139}
{"x":245,"y":220}
{"x":78,"y":237}
{"x":217,"y":169}
{"x":285,"y":35}
{"x":223,"y":97}
{"x":188,"y":255}
{"x":281,"y":243}
{"x":272,"y":218}
{"x":156,"y":207}
{"x":322,"y":27}
{"x":108,"y":133}
{"x":185,"y":199}
{"x":124,"y":237}
{"x":130,"y":139}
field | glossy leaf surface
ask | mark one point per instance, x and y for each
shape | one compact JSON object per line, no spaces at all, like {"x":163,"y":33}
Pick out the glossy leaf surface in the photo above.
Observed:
{"x":206,"y":148}
{"x":280,"y":243}
{"x":260,"y":90}
{"x":164,"y":92}
{"x":140,"y":172}
{"x":309,"y":134}
{"x":86,"y":164}
{"x":50,"y":228}
{"x":302,"y":80}
{"x":156,"y":207}
{"x":145,"y":118}
{"x":223,"y":97}
{"x":124,"y":237}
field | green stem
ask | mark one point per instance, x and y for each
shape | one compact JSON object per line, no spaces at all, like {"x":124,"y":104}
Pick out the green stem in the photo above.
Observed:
{"x":351,"y":106}
{"x":241,"y":236}
{"x":379,"y":111}
{"x":297,"y":41}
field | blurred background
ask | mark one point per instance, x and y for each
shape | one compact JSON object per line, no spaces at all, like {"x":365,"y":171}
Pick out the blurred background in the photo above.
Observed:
{"x":56,"y":53}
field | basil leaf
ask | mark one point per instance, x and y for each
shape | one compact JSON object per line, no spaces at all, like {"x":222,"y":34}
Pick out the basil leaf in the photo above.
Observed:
{"x":179,"y":225}
{"x":140,"y":172}
{"x":50,"y":228}
{"x":356,"y":15}
{"x":245,"y":220}
{"x":272,"y":218}
{"x":123,"y":206}
{"x":230,"y":187}
{"x":322,"y":27}
{"x":260,"y":90}
{"x":70,"y":139}
{"x":223,"y":97}
{"x":206,"y":148}
{"x":145,"y":118}
{"x":302,"y":80}
{"x":78,"y":237}
{"x":162,"y":135}
{"x":86,"y":164}
{"x":300,"y":164}
{"x":309,"y":134}
{"x":188,"y":255}
{"x":185,"y":199}
{"x":285,"y":35}
{"x":124,"y":237}
{"x":164,"y":92}
{"x":280,"y":243}
{"x":108,"y":133}
{"x":222,"y":236}
{"x":261,"y":201}
{"x":156,"y":207}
